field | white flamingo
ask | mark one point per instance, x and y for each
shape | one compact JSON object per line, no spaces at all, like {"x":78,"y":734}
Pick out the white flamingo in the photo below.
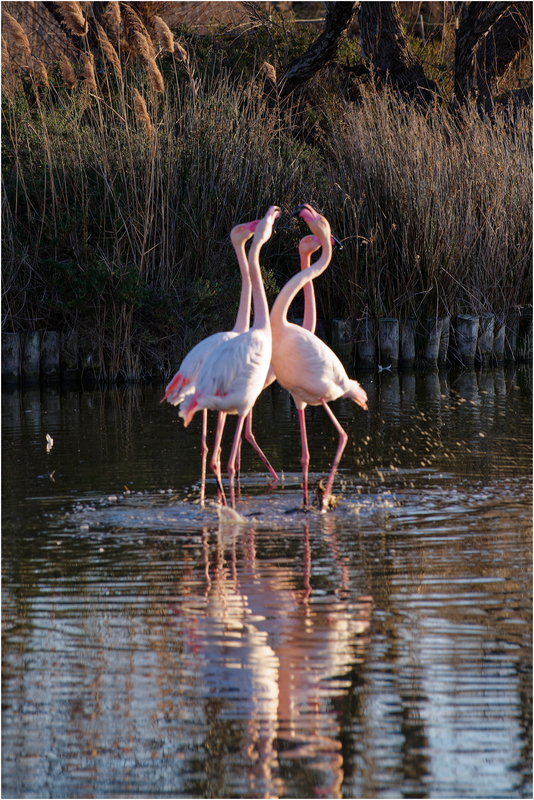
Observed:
{"x":233,"y":375}
{"x":306,"y":366}
{"x":183,"y":383}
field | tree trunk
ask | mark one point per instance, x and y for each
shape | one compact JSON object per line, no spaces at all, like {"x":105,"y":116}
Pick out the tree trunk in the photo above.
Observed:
{"x":477,"y":19}
{"x":386,"y":45}
{"x":321,"y":51}
{"x":511,"y":34}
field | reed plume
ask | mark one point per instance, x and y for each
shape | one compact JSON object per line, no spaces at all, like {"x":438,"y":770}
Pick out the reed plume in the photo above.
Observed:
{"x":89,"y":72}
{"x":39,"y":72}
{"x":136,"y":34}
{"x":17,"y":34}
{"x":113,"y":15}
{"x":142,"y":112}
{"x":166,"y":39}
{"x":109,"y":51}
{"x":180,"y":54}
{"x":69,"y":78}
{"x":74,"y":19}
{"x":146,"y":49}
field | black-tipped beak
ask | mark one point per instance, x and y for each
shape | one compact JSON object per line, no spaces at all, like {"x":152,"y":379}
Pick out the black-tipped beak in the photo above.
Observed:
{"x":338,"y":243}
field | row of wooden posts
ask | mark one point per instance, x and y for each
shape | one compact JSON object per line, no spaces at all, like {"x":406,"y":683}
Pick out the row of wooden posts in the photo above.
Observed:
{"x":50,"y":357}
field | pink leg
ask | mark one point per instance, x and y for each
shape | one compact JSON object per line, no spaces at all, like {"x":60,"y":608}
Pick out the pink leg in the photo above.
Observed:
{"x":249,"y":436}
{"x":233,"y":456}
{"x":215,"y":462}
{"x":305,"y":458}
{"x":204,"y":450}
{"x":343,"y":439}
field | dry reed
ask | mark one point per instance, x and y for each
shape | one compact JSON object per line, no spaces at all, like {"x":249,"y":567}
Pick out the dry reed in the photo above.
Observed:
{"x":109,"y":51}
{"x":17,"y":35}
{"x":164,"y":33}
{"x":74,"y":18}
{"x":142,"y":112}
{"x":89,"y":72}
{"x":67,"y":72}
{"x":113,"y":15}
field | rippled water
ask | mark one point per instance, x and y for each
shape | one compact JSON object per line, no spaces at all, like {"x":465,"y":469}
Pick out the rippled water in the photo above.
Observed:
{"x":154,"y":648}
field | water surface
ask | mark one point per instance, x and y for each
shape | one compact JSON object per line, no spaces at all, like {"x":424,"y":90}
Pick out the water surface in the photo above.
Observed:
{"x":152,"y":648}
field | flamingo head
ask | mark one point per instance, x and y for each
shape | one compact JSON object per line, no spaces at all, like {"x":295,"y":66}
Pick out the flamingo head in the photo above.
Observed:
{"x":318,"y":224}
{"x":309,"y":244}
{"x":264,"y":227}
{"x":242,"y":233}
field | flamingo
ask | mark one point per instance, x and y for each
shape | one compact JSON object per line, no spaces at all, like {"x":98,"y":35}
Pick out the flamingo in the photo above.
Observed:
{"x":306,"y":366}
{"x":307,"y":246}
{"x":183,"y":383}
{"x":233,"y":375}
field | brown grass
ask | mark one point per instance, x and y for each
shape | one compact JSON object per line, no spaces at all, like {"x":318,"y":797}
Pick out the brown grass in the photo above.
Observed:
{"x":74,"y":18}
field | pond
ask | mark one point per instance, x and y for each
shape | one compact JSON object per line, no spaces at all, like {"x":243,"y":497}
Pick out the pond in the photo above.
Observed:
{"x":153,"y":647}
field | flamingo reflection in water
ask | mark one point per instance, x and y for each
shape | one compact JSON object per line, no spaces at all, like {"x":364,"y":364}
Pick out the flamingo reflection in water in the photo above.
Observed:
{"x":258,"y":642}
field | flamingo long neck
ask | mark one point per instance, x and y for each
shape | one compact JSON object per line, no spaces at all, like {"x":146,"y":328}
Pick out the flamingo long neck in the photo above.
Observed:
{"x":310,"y":311}
{"x":261,"y":309}
{"x":297,"y":282}
{"x":242,"y":322}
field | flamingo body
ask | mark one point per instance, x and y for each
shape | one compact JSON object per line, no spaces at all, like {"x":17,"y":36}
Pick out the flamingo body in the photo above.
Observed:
{"x":233,"y":375}
{"x":303,"y":364}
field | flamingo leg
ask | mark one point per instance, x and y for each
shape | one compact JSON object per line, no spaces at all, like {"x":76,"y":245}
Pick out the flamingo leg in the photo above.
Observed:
{"x":204,"y":450}
{"x":305,"y":458}
{"x":343,"y":439}
{"x":249,"y":436}
{"x":232,"y":459}
{"x":215,"y":462}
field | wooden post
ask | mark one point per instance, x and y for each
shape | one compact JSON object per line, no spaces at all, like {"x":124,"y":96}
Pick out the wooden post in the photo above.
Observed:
{"x":342,"y":341}
{"x":466,"y":335}
{"x":10,"y":359}
{"x":524,"y":338}
{"x":512,"y":327}
{"x":31,"y":357}
{"x":69,"y":357}
{"x":407,"y":344}
{"x":485,"y":338}
{"x":50,"y":370}
{"x":365,"y":343}
{"x":433,"y":331}
{"x":388,"y":340}
{"x":499,"y":343}
{"x":444,"y":340}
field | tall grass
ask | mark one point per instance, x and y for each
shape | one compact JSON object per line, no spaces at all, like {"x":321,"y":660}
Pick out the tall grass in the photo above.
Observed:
{"x":436,"y":215}
{"x":118,"y":207}
{"x":119,"y":192}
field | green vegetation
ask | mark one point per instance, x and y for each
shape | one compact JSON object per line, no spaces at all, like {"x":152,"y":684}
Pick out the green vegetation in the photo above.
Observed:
{"x":116,"y":216}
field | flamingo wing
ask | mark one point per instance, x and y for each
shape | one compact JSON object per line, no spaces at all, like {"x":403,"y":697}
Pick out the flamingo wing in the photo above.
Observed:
{"x":232,"y":376}
{"x":185,"y":378}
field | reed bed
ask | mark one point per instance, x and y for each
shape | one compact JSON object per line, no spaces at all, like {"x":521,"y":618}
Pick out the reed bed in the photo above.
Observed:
{"x":436,"y":214}
{"x":121,"y":183}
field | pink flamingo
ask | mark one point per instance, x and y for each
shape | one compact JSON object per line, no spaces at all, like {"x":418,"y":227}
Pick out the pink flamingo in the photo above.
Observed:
{"x":307,"y":246}
{"x":183,"y":383}
{"x":233,"y":375}
{"x":303,"y":364}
